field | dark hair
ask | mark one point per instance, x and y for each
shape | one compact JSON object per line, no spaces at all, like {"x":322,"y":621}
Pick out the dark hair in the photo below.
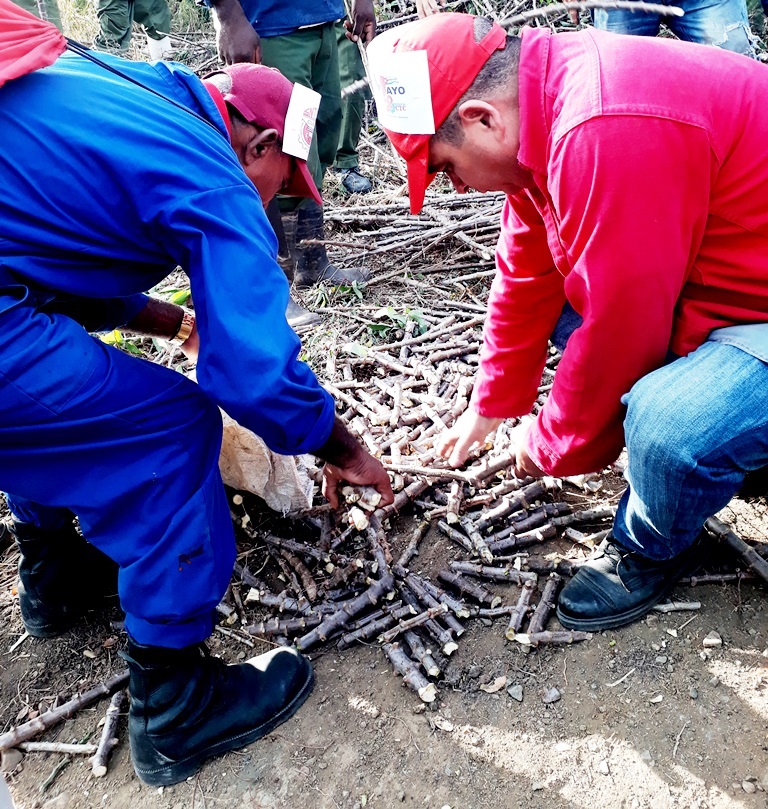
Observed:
{"x":495,"y":76}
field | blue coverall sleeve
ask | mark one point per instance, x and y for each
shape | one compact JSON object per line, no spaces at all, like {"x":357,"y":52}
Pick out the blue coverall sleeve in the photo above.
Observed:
{"x":248,"y":359}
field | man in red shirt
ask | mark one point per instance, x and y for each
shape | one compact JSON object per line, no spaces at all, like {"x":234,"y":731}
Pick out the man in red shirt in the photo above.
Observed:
{"x":635,"y":182}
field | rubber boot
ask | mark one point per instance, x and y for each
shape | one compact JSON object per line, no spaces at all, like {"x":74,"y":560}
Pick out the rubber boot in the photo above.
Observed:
{"x":187,"y":706}
{"x":284,"y":226}
{"x":61,"y":576}
{"x":312,"y":263}
{"x":158,"y":49}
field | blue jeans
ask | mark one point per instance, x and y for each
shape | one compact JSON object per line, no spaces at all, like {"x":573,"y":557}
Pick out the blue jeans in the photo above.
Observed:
{"x":710,"y":22}
{"x":693,"y":429}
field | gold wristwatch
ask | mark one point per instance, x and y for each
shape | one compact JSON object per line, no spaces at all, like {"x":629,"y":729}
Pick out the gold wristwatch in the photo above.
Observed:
{"x":185,"y":329}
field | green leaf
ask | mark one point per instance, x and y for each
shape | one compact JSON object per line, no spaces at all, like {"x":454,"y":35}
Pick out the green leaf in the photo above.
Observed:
{"x":356,"y":349}
{"x":132,"y":348}
{"x":181,"y":296}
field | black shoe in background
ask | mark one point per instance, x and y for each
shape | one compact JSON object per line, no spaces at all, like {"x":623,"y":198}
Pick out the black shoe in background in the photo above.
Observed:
{"x":353,"y":181}
{"x":61,"y":576}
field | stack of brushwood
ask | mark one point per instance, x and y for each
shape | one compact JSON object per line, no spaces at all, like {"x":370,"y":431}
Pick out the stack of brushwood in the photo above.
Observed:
{"x":471,"y":221}
{"x":344,"y":585}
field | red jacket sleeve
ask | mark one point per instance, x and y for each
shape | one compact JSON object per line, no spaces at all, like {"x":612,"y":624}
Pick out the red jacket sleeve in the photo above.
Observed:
{"x":524,"y":304}
{"x":631,"y":195}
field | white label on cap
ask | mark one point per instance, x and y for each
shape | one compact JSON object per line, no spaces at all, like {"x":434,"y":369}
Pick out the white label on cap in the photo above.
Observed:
{"x":400,"y":85}
{"x":300,"y":121}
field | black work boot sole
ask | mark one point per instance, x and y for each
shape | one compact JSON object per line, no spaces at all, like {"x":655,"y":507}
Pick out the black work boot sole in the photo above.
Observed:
{"x":177,"y":771}
{"x":688,"y":561}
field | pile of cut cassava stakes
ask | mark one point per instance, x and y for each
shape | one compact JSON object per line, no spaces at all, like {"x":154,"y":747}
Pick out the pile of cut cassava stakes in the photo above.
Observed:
{"x":345,"y":585}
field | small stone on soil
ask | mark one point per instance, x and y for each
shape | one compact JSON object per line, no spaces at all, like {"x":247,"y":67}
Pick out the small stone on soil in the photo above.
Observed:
{"x":552,"y":695}
{"x":693,"y":693}
{"x":516,"y":692}
{"x":748,"y":787}
{"x":603,"y":768}
{"x":712,"y":640}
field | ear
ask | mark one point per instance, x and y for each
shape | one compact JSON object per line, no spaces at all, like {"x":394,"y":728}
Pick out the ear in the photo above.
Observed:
{"x":477,"y":113}
{"x":260,"y":145}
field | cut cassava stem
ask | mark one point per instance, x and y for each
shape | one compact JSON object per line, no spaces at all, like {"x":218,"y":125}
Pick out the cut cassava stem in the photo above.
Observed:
{"x":410,"y":673}
{"x":109,"y":738}
{"x":545,"y":605}
{"x":52,"y":717}
{"x":517,"y":616}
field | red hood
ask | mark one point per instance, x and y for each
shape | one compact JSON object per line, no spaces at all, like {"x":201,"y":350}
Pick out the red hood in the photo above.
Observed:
{"x":26,"y":43}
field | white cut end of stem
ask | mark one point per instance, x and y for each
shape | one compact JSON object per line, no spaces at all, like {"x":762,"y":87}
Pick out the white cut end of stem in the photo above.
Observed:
{"x":428,"y":693}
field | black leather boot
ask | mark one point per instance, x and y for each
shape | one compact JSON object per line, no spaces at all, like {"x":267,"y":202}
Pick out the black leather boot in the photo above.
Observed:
{"x":312,"y":264}
{"x":617,"y":586}
{"x":61,"y":576}
{"x":187,"y":706}
{"x":284,"y":226}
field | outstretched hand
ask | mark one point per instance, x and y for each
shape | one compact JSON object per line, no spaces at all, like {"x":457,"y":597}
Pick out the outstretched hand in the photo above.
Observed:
{"x":470,"y":430}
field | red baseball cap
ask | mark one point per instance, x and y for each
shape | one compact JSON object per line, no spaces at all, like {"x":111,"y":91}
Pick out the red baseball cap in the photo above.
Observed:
{"x":264,"y":97}
{"x":454,"y":57}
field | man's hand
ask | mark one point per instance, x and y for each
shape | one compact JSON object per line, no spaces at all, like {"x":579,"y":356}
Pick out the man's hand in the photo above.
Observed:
{"x":525,"y":466}
{"x":426,"y":8}
{"x":470,"y":430}
{"x":363,"y":25}
{"x":345,"y":459}
{"x":191,"y":346}
{"x":236,"y":41}
{"x":364,"y":470}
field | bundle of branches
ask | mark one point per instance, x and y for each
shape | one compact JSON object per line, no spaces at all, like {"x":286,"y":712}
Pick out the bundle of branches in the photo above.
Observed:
{"x":514,"y":538}
{"x":346,"y":586}
{"x":471,"y":220}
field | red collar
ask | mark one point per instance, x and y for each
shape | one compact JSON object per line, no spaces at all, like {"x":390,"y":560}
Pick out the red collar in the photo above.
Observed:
{"x":221,"y":104}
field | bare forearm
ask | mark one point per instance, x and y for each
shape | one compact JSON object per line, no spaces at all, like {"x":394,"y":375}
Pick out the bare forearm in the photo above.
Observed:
{"x":157,"y":319}
{"x":341,"y":448}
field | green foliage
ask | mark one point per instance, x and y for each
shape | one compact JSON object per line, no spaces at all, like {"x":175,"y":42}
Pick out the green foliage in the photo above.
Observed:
{"x":180,"y":297}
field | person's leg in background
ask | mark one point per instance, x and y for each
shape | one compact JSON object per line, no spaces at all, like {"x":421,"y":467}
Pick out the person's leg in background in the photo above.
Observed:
{"x":132,"y":448}
{"x":155,"y":17}
{"x":115,"y":23}
{"x":309,"y":57}
{"x":44,"y":9}
{"x":724,"y":23}
{"x":693,"y":428}
{"x":351,"y":69}
{"x":61,"y":575}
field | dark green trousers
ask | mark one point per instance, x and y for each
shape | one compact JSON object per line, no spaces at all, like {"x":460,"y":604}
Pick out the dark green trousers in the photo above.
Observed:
{"x":44,"y":9}
{"x":353,"y":106}
{"x":310,"y":56}
{"x":116,"y":18}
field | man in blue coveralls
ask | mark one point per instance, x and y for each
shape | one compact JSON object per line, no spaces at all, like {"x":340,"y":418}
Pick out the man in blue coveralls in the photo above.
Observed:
{"x":111,"y":174}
